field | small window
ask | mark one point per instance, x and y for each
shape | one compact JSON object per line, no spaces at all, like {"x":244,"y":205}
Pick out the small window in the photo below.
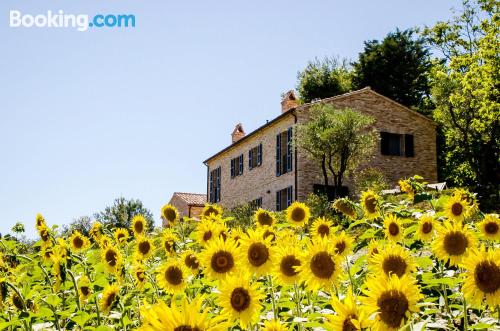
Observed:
{"x":284,"y":154}
{"x":409,"y":145}
{"x":237,"y":166}
{"x":284,"y":198}
{"x":255,"y":157}
{"x":256,"y":204}
{"x":214,"y":183}
{"x":396,"y":144}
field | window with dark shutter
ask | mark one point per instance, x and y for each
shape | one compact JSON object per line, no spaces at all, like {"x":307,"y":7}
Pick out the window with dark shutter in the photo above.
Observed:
{"x":259,"y":154}
{"x":255,"y":157}
{"x":211,"y":184}
{"x":278,"y":155}
{"x":278,"y":200}
{"x":409,"y":145}
{"x":232,"y":168}
{"x":240,"y":165}
{"x":289,"y":196}
{"x":250,"y":159}
{"x":214,"y":184}
{"x":391,"y":143}
{"x":289,"y":150}
{"x":217,"y":198}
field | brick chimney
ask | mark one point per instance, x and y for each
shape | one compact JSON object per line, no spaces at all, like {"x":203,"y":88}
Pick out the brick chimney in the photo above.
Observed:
{"x":288,"y":101}
{"x":238,"y":133}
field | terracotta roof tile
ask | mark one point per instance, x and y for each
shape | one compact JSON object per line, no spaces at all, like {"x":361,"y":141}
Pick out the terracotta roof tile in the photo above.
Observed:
{"x":192,"y":198}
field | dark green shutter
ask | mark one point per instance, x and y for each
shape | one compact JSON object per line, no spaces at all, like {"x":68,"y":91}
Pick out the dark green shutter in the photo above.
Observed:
{"x":409,"y":152}
{"x":278,"y":155}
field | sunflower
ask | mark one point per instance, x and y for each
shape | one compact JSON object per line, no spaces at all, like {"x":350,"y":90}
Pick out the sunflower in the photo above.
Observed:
{"x":482,"y":280}
{"x":219,"y":258}
{"x":321,"y":227}
{"x":47,"y":251}
{"x":256,"y":252}
{"x":274,"y":325}
{"x":170,"y":214}
{"x":95,"y":231}
{"x":139,"y":273}
{"x":79,"y":242}
{"x":110,"y":298}
{"x":452,"y":242}
{"x":144,"y":248}
{"x":211,"y":209}
{"x":206,"y":231}
{"x":393,"y":229}
{"x":406,"y":187}
{"x":40,"y":222}
{"x":287,"y":258}
{"x":183,"y":316}
{"x":298,"y":214}
{"x":139,"y":225}
{"x":426,"y":228}
{"x":343,"y":244}
{"x":172,"y":277}
{"x":61,"y":248}
{"x":58,"y":271}
{"x":121,"y":236}
{"x":490,"y":227}
{"x":346,"y":207}
{"x":104,"y":241}
{"x":112,"y":259}
{"x":263,"y":217}
{"x":240,"y":300}
{"x":44,"y":234}
{"x":84,"y":288}
{"x":269,"y":232}
{"x":348,"y":315}
{"x":370,"y":202}
{"x":320,"y":266}
{"x":236,"y":234}
{"x":468,"y":197}
{"x":168,"y":241}
{"x":393,"y":260}
{"x":392,"y":299}
{"x":190,"y":261}
{"x":456,"y":209}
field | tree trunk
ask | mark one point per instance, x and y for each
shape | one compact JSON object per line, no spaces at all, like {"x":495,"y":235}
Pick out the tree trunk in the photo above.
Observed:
{"x":325,"y":173}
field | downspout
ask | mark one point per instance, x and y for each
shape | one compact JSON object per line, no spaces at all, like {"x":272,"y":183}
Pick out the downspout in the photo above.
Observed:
{"x":296,"y":158}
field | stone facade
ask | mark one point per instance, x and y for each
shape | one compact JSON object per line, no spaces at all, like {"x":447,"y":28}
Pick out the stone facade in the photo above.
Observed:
{"x":187,"y":204}
{"x":262,"y":181}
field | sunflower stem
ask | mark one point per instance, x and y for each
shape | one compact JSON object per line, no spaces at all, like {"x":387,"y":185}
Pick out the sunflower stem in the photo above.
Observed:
{"x":97,"y":311}
{"x":77,"y":297}
{"x":349,"y":273}
{"x":297,"y":303}
{"x":466,"y":322}
{"x":445,"y":291}
{"x":271,"y":287}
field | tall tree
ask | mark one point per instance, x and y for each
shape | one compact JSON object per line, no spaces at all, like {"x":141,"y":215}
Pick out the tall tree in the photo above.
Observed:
{"x":323,"y":79}
{"x":338,"y":139}
{"x":122,"y":211}
{"x":466,"y":91}
{"x":396,"y":67}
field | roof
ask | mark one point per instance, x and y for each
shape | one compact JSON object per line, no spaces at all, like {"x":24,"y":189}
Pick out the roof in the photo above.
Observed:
{"x":306,"y":105}
{"x":192,"y":199}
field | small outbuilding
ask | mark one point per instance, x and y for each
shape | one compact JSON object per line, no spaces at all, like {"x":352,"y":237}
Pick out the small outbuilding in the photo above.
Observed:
{"x":188,"y":204}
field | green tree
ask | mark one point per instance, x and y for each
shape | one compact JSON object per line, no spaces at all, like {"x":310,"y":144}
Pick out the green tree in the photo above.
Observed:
{"x":323,"y":79}
{"x":81,"y":224}
{"x":122,"y":211}
{"x":397,"y":67}
{"x":465,"y":90}
{"x":338,"y":139}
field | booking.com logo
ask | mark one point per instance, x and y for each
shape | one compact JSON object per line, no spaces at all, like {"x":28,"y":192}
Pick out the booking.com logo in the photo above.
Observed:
{"x":80,"y":22}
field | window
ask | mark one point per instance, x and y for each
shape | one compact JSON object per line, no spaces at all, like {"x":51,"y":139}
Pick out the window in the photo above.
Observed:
{"x":284,"y":198}
{"x":214,"y":184}
{"x":256,"y":204}
{"x":396,"y":144}
{"x":237,"y":166}
{"x":255,"y":157}
{"x":284,"y":152}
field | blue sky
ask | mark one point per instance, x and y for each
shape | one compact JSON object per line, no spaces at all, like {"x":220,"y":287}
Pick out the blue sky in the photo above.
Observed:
{"x":86,"y":117}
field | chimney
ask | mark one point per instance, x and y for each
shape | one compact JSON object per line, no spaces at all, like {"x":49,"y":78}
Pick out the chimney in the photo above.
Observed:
{"x":288,"y":101}
{"x":238,"y":133}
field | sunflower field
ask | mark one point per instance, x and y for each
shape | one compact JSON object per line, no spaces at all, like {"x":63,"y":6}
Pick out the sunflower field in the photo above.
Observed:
{"x":420,"y":260}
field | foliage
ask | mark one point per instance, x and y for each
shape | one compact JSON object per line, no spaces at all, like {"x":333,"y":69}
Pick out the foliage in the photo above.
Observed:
{"x":18,"y":228}
{"x":320,"y":206}
{"x":241,"y":216}
{"x":369,"y":179}
{"x":465,"y":90}
{"x":323,"y":79}
{"x":342,"y":266}
{"x":81,"y":224}
{"x":122,"y":211}
{"x":397,"y":67}
{"x":338,"y":139}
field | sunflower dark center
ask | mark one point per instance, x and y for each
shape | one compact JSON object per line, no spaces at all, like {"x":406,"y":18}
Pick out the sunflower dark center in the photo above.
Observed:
{"x":265,"y":219}
{"x":393,"y":305}
{"x":374,"y":251}
{"x":491,"y":228}
{"x":16,"y":300}
{"x":456,"y":209}
{"x":269,"y":234}
{"x":139,"y":227}
{"x":211,"y":210}
{"x":258,"y":254}
{"x":170,"y":214}
{"x":455,"y":243}
{"x":322,"y":265}
{"x":191,"y":262}
{"x":240,"y":299}
{"x":340,"y":247}
{"x":169,"y":246}
{"x":173,"y":275}
{"x":85,"y":290}
{"x":140,"y":275}
{"x":207,"y":235}
{"x":78,"y":242}
{"x":298,"y":214}
{"x":323,"y":230}
{"x":487,"y":276}
{"x":110,"y":299}
{"x":394,"y":264}
{"x":348,"y":325}
{"x":111,"y":257}
{"x":288,"y":264}
{"x":120,"y":236}
{"x":223,"y":235}
{"x":345,"y":208}
{"x":393,"y":229}
{"x":45,"y":235}
{"x":144,"y":247}
{"x":186,"y":328}
{"x":426,"y":227}
{"x":371,"y":204}
{"x":222,"y":262}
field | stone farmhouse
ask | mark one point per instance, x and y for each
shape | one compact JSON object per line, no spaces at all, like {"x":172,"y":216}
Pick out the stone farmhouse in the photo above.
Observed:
{"x":264,"y":169}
